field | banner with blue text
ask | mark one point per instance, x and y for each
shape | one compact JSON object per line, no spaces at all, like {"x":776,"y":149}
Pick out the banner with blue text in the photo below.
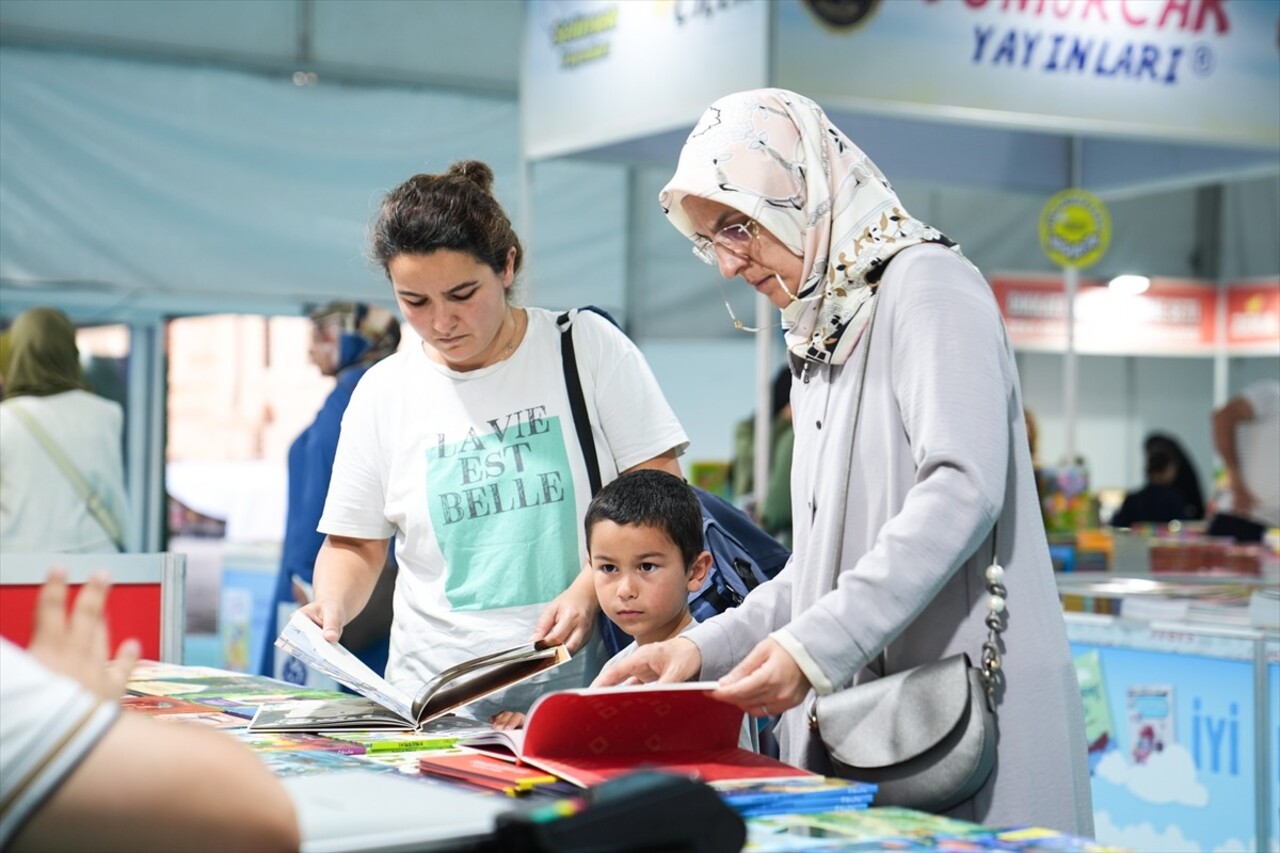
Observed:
{"x":1190,"y":70}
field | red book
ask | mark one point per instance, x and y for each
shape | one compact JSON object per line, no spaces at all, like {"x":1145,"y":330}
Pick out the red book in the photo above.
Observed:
{"x":590,"y":735}
{"x":484,"y":770}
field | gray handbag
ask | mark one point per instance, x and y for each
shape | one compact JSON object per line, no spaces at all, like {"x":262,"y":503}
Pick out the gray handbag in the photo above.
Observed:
{"x":926,"y":736}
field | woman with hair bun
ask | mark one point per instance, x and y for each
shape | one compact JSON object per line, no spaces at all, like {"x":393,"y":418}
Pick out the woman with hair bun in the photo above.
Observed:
{"x":464,"y":449}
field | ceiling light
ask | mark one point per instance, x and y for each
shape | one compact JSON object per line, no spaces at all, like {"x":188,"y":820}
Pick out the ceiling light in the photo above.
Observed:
{"x":1130,"y":285}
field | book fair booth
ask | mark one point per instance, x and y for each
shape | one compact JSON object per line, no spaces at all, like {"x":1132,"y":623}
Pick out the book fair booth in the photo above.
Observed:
{"x":1079,"y":113}
{"x":1062,"y":143}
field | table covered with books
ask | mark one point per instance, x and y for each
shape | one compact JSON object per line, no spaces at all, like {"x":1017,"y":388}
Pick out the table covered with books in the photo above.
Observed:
{"x":783,"y":811}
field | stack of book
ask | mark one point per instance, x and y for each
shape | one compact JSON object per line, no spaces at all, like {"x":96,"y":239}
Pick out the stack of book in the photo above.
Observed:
{"x":891,"y":828}
{"x":795,"y":796}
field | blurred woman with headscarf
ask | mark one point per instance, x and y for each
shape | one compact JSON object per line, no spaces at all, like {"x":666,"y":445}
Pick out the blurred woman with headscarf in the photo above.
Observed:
{"x":347,"y":338}
{"x":61,"y":462}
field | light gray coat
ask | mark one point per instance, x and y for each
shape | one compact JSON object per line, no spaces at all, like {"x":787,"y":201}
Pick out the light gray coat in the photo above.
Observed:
{"x":940,"y":452}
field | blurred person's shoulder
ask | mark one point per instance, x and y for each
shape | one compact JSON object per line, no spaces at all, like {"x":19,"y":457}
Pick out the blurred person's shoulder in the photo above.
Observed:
{"x":390,"y":371}
{"x":1264,"y":397}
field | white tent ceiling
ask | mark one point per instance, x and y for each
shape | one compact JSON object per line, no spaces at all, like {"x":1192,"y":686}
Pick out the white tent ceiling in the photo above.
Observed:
{"x":470,"y":45}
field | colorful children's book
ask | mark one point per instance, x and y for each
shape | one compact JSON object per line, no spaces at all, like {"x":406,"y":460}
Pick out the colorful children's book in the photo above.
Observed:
{"x":375,"y":742}
{"x":155,"y":706}
{"x":795,"y":796}
{"x":381,"y":705}
{"x":1098,"y":727}
{"x":587,"y":736}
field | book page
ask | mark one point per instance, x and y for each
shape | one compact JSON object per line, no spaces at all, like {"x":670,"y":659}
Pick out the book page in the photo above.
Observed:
{"x":479,"y":677}
{"x":507,"y":740}
{"x":305,"y":640}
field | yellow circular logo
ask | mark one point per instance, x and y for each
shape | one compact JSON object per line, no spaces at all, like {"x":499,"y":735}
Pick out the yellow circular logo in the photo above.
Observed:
{"x":1075,"y":228}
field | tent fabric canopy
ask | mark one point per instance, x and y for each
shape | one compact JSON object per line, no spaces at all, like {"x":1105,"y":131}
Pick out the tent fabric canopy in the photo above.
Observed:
{"x":153,"y":182}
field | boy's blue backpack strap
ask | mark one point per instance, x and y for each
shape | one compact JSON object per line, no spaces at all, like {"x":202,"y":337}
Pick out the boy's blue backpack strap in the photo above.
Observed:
{"x":768,"y":554}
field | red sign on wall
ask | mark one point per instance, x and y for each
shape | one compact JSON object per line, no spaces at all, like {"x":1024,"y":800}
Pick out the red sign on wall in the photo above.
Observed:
{"x":1253,"y":316}
{"x":1174,"y":317}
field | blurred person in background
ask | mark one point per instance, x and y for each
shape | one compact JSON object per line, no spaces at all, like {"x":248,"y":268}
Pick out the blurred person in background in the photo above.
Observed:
{"x":4,"y":358}
{"x":772,"y":510}
{"x":1186,"y":480}
{"x":1246,"y":434}
{"x":1157,"y":502}
{"x":347,"y":338}
{"x":61,"y":463}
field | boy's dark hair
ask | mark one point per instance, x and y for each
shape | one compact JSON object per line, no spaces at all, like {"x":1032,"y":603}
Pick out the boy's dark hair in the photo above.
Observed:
{"x":651,"y":498}
{"x":454,"y":210}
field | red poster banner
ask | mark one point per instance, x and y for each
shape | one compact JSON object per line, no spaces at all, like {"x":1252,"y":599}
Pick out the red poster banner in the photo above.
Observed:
{"x":1174,"y":317}
{"x":1253,"y":316}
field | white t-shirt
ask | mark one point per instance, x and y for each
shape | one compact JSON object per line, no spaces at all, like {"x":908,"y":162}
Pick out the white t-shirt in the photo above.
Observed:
{"x":48,"y":723}
{"x":1258,"y":448}
{"x":40,"y":511}
{"x":480,"y":478}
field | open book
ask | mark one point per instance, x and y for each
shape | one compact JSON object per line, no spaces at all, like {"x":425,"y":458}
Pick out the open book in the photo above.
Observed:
{"x":381,"y":705}
{"x":587,"y":736}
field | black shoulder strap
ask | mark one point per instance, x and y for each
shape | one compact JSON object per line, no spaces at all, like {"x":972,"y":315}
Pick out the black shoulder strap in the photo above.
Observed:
{"x":578,"y":401}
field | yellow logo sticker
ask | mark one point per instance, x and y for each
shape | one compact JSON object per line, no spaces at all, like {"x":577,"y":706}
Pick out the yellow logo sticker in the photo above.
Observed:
{"x":1075,"y":228}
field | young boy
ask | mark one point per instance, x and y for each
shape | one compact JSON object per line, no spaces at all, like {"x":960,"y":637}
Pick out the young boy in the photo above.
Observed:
{"x":644,"y":540}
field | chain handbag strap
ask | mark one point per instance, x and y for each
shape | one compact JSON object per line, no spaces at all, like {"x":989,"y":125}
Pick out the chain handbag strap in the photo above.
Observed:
{"x":996,"y":598}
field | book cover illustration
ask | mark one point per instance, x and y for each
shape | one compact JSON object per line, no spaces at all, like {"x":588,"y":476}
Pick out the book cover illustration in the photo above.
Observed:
{"x":309,"y":762}
{"x":1098,"y":727}
{"x":156,"y":706}
{"x":589,"y":735}
{"x":295,"y":742}
{"x":382,"y":705}
{"x":1150,"y":710}
{"x":212,"y":719}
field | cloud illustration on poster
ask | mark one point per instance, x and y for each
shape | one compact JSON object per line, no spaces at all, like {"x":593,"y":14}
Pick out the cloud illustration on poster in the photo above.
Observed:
{"x":1142,"y":836}
{"x":1166,"y":777}
{"x":1233,"y":845}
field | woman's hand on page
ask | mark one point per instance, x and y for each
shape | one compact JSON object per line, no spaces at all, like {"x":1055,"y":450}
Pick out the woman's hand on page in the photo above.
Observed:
{"x":76,"y":645}
{"x":767,"y":682}
{"x":672,"y":660}
{"x":504,"y":720}
{"x":571,"y":616}
{"x":329,"y":614}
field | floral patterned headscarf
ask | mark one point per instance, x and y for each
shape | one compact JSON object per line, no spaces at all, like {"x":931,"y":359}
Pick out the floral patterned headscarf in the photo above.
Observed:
{"x":776,"y":157}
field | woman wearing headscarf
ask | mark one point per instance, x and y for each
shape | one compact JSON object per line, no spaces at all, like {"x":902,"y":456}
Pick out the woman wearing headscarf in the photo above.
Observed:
{"x":893,"y":524}
{"x":347,"y":338}
{"x":48,"y":414}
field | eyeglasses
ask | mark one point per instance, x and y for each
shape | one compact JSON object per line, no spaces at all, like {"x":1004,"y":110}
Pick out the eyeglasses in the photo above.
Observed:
{"x":738,"y":324}
{"x":734,"y":239}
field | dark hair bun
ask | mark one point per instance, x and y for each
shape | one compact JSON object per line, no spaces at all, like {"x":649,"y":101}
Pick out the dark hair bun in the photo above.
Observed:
{"x":474,"y":171}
